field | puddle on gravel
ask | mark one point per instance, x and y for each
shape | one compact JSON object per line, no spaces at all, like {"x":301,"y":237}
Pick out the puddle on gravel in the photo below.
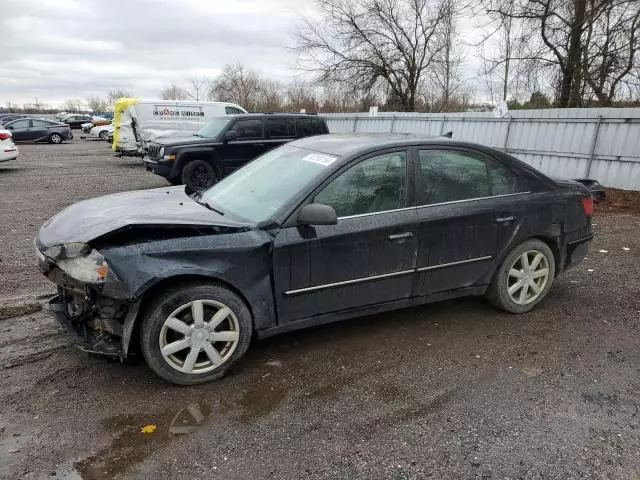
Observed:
{"x":131,"y":445}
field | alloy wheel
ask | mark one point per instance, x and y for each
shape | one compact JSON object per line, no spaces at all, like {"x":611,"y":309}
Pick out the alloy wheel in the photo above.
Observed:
{"x":199,"y":337}
{"x":528,"y":277}
{"x":55,"y":138}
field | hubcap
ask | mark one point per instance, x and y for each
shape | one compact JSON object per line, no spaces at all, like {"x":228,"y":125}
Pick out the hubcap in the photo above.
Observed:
{"x":528,"y":276}
{"x":199,"y":336}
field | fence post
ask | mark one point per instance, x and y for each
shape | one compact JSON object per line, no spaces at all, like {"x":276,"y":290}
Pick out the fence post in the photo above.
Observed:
{"x":594,"y":142}
{"x":393,"y":121}
{"x":444,"y":119}
{"x":355,"y":123}
{"x":506,"y":137}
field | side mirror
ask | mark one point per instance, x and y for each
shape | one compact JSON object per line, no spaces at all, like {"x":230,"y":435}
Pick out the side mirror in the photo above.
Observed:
{"x":229,"y":136}
{"x":317,"y":214}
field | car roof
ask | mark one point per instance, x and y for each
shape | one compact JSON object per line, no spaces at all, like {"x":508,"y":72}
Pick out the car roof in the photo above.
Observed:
{"x":349,"y":144}
{"x":275,"y":114}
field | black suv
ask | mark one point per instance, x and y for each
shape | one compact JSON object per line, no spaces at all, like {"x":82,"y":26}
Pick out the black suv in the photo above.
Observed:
{"x":225,"y":144}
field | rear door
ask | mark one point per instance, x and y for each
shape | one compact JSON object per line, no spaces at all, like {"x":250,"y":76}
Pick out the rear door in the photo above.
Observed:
{"x":279,"y":130}
{"x":463,"y":199}
{"x":367,"y":258}
{"x":39,"y":129}
{"x":248,"y":144}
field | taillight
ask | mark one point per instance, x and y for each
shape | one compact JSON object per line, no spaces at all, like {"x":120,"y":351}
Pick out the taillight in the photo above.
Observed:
{"x":4,"y":135}
{"x":587,"y":205}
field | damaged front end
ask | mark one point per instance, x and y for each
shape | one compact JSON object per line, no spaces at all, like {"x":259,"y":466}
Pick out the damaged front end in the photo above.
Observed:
{"x":87,"y":303}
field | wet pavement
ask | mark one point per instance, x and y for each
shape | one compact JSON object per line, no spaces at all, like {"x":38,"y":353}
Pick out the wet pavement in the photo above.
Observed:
{"x":451,"y":390}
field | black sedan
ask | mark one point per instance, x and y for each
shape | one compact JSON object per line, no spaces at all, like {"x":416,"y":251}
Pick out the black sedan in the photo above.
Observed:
{"x":322,"y":229}
{"x":39,"y":130}
{"x":76,"y":121}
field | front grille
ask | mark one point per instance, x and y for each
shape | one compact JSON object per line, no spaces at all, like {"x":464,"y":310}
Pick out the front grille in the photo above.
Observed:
{"x":153,"y":150}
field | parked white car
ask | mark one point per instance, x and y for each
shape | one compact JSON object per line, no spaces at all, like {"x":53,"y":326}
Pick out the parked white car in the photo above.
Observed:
{"x":8,"y":150}
{"x":102,"y":131}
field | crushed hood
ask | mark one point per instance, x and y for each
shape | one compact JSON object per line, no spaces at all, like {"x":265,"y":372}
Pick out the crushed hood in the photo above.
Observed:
{"x":87,"y":220}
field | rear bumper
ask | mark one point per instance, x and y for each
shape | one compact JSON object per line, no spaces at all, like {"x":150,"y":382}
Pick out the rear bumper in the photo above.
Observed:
{"x":577,"y":250}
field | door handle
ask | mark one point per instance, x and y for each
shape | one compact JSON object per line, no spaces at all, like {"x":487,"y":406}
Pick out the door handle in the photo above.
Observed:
{"x":505,"y":219}
{"x":400,"y":236}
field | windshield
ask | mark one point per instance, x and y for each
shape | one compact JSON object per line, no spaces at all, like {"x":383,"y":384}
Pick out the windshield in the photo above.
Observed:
{"x":264,"y":186}
{"x":213,"y":128}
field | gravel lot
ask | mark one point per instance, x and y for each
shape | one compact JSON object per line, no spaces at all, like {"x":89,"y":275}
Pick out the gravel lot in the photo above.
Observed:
{"x":452,"y":390}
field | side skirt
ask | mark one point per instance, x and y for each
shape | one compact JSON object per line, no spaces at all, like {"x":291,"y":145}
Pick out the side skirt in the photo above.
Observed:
{"x":369,"y":310}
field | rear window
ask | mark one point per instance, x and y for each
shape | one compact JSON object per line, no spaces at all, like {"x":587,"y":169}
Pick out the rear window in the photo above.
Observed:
{"x":306,"y":127}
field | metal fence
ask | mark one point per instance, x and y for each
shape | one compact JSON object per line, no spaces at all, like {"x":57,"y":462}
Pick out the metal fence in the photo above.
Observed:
{"x":600,"y":143}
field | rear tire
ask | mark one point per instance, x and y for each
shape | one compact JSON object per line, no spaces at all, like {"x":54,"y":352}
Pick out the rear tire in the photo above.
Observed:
{"x":524,"y":277}
{"x":55,"y":138}
{"x":198,"y":175}
{"x":172,"y":331}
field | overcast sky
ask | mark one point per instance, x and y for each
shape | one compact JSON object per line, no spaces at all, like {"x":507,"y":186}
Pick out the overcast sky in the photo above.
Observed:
{"x":61,"y":49}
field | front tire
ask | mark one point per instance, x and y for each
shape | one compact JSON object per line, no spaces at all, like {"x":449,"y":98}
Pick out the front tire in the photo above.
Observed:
{"x":524,"y":277}
{"x":55,"y":138}
{"x":195,"y":333}
{"x":104,"y":135}
{"x":198,"y":175}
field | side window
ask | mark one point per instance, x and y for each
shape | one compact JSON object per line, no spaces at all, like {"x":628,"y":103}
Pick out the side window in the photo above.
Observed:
{"x":20,"y":124}
{"x":232,"y":110}
{"x":503,"y":181}
{"x":39,"y":123}
{"x":318,"y":126}
{"x":280,"y":127}
{"x":448,"y":176}
{"x":303,"y":127}
{"x":373,"y":185}
{"x":248,"y":129}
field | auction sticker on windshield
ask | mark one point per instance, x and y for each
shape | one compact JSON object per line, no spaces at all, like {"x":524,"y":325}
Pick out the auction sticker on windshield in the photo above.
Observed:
{"x":320,"y":158}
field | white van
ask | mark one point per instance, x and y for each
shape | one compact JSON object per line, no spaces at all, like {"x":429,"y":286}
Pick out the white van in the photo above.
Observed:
{"x":137,"y":122}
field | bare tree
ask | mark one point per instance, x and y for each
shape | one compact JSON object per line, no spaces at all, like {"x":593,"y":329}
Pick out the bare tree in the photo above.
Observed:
{"x":198,"y":87}
{"x":392,"y":43}
{"x":173,"y":92}
{"x":237,"y":84}
{"x":446,"y":72}
{"x":612,"y":43}
{"x":97,"y":104}
{"x":74,"y":105}
{"x":587,"y":46}
{"x":113,"y":95}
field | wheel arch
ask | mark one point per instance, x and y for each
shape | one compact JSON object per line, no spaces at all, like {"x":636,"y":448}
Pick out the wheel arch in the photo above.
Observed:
{"x":147,"y":296}
{"x":553,"y":244}
{"x":207,"y":155}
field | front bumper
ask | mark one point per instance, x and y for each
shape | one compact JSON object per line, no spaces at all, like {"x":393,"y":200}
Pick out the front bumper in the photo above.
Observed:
{"x":159,"y":166}
{"x":102,"y":324}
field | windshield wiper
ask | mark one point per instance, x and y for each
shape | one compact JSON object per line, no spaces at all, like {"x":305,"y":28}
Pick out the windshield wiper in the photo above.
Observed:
{"x":211,"y":207}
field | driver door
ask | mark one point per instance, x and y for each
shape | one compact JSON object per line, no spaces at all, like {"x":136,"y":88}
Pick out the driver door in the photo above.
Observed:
{"x":367,"y":258}
{"x":20,"y":130}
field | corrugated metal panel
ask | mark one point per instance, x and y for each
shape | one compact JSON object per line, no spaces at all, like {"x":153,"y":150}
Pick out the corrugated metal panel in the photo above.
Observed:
{"x":556,"y":141}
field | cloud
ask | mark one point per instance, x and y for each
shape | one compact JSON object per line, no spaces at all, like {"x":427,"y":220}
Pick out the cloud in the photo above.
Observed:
{"x":74,"y":49}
